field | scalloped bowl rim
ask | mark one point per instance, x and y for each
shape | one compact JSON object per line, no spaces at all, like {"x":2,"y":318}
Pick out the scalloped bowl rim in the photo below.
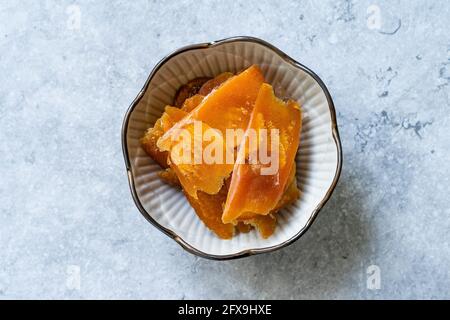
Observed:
{"x":172,"y":234}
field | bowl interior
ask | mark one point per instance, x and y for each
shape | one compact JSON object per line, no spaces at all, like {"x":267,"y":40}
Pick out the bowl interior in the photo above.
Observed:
{"x":317,"y":158}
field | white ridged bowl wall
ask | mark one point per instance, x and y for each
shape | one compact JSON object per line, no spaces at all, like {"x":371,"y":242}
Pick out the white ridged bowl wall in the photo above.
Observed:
{"x":318,"y":159}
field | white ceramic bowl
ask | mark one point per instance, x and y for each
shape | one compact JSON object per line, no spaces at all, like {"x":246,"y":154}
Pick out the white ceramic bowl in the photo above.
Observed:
{"x":319,"y":159}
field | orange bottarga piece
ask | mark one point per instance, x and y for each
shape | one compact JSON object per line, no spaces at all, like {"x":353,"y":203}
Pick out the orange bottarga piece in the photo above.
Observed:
{"x":212,"y":84}
{"x":290,"y":194}
{"x":227,"y":107}
{"x":250,"y":190}
{"x":230,"y":105}
{"x":266,"y":224}
{"x":242,"y":227}
{"x":209,"y":209}
{"x":149,"y":141}
{"x":192,"y":102}
{"x":188,"y":90}
{"x":170,"y":116}
{"x":169,"y":177}
{"x":192,"y":159}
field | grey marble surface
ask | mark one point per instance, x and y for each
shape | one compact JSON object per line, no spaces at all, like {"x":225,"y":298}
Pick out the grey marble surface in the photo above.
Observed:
{"x":69,"y":228}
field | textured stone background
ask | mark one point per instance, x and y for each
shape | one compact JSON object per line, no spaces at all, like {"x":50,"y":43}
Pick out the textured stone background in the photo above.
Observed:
{"x":65,"y":206}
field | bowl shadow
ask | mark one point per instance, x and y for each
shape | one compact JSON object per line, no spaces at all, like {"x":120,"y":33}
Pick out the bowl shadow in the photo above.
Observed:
{"x":328,"y":261}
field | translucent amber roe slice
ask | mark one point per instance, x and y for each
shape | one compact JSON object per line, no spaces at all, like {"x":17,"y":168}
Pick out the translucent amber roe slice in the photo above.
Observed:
{"x":243,"y":227}
{"x":188,"y":90}
{"x":170,"y":116}
{"x":290,"y":194}
{"x":191,"y":161}
{"x":251,"y":191}
{"x":212,"y":84}
{"x":209,"y":209}
{"x":149,"y":144}
{"x":191,"y":103}
{"x":199,"y":86}
{"x":227,"y":107}
{"x":264,"y":224}
{"x":230,"y":105}
{"x":169,"y":177}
